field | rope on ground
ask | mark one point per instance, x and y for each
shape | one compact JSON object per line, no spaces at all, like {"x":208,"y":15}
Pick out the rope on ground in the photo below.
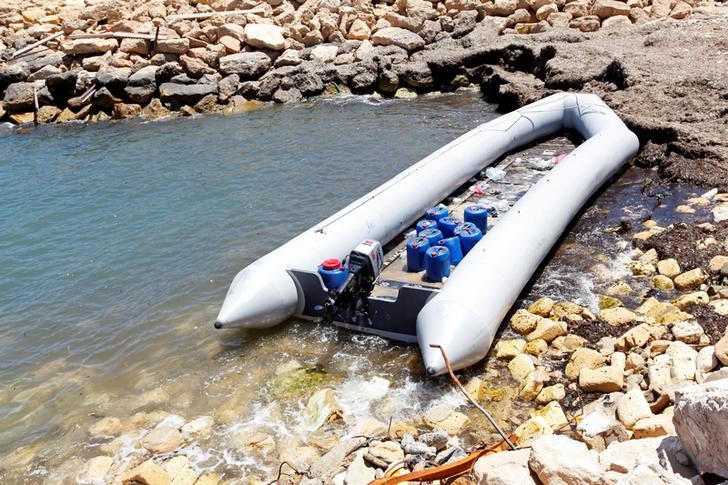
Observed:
{"x":450,"y":470}
{"x":472,"y":401}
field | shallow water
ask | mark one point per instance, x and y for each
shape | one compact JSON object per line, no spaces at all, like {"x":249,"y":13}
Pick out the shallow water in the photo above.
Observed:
{"x":120,"y":239}
{"x":119,"y":242}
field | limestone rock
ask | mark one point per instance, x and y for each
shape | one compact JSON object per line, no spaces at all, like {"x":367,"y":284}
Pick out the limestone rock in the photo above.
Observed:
{"x":653,"y":426}
{"x":640,"y":268}
{"x":532,"y":384}
{"x":490,"y":467}
{"x":609,"y":8}
{"x":547,"y":330}
{"x":721,"y":349}
{"x":583,"y":358}
{"x":717,"y":263}
{"x":398,"y":36}
{"x":332,"y":462}
{"x":701,"y":422}
{"x":185,"y":94}
{"x":688,"y":332}
{"x":556,"y":459}
{"x":524,"y":322}
{"x":690,"y":280}
{"x":108,"y":426}
{"x":508,"y":349}
{"x":636,"y":337}
{"x":603,"y":379}
{"x":694,"y":298}
{"x":444,"y":418}
{"x":681,"y":10}
{"x":97,"y":468}
{"x":521,"y":366}
{"x":663,"y":283}
{"x":632,"y":407}
{"x":541,"y":307}
{"x":324,"y":53}
{"x":162,"y":439}
{"x":660,"y":452}
{"x":537,"y":347}
{"x":322,"y":407}
{"x":359,"y":30}
{"x":683,"y":360}
{"x":668,"y":267}
{"x":247,"y":65}
{"x":551,"y":393}
{"x":265,"y":36}
{"x":148,"y":473}
{"x":89,"y":46}
{"x":387,"y":452}
{"x":617,"y":316}
{"x":176,"y":46}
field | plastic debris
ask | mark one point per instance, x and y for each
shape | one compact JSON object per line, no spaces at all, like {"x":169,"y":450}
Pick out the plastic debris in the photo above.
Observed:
{"x":495,"y":174}
{"x":541,"y":163}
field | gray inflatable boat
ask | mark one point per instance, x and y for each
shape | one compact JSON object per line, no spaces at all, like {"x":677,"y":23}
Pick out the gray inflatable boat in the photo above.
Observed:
{"x":373,"y":290}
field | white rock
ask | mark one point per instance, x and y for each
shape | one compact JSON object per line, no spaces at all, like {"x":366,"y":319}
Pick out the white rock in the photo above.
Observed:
{"x":359,"y":472}
{"x":706,"y":361}
{"x":491,"y":462}
{"x":682,"y":361}
{"x":509,"y":474}
{"x":556,"y":460}
{"x":324,"y":53}
{"x":265,"y":36}
{"x":661,"y":451}
{"x":201,"y":425}
{"x":398,"y":36}
{"x":701,"y":422}
{"x":632,"y":407}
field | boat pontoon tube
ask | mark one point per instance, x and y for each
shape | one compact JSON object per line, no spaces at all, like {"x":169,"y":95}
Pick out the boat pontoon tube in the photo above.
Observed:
{"x":465,"y":315}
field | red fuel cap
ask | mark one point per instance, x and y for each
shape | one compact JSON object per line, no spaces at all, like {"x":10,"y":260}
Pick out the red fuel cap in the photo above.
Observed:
{"x":331,"y":264}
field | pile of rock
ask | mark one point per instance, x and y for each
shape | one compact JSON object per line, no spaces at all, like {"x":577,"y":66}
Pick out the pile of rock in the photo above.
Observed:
{"x":157,"y":455}
{"x":107,"y":63}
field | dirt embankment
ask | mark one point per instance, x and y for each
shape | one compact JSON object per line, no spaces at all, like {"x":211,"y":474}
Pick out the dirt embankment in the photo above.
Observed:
{"x":667,"y":80}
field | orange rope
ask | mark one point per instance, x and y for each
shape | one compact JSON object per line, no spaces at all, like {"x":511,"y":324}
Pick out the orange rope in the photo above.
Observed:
{"x":449,"y":470}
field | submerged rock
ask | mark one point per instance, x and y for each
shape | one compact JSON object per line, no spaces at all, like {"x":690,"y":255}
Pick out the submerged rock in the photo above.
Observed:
{"x":322,"y":407}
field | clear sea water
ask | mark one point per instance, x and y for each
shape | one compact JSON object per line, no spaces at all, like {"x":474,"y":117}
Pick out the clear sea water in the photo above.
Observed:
{"x":119,"y":241}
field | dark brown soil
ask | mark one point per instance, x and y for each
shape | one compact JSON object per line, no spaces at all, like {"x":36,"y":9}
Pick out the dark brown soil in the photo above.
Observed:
{"x":593,"y":331}
{"x":667,"y":80}
{"x":681,"y":240}
{"x":714,"y":324}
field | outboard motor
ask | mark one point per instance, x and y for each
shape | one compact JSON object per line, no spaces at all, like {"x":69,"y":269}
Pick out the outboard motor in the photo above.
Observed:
{"x":365,"y":264}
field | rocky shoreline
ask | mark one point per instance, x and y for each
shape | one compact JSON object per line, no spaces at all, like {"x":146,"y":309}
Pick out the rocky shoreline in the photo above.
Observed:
{"x":631,"y":393}
{"x":104,"y":61}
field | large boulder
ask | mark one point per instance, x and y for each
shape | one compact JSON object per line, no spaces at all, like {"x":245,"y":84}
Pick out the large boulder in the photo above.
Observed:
{"x":701,"y":422}
{"x":247,"y":65}
{"x":144,"y":76}
{"x":19,"y":97}
{"x":181,"y":94}
{"x":13,"y":73}
{"x":265,"y":36}
{"x":398,"y":36}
